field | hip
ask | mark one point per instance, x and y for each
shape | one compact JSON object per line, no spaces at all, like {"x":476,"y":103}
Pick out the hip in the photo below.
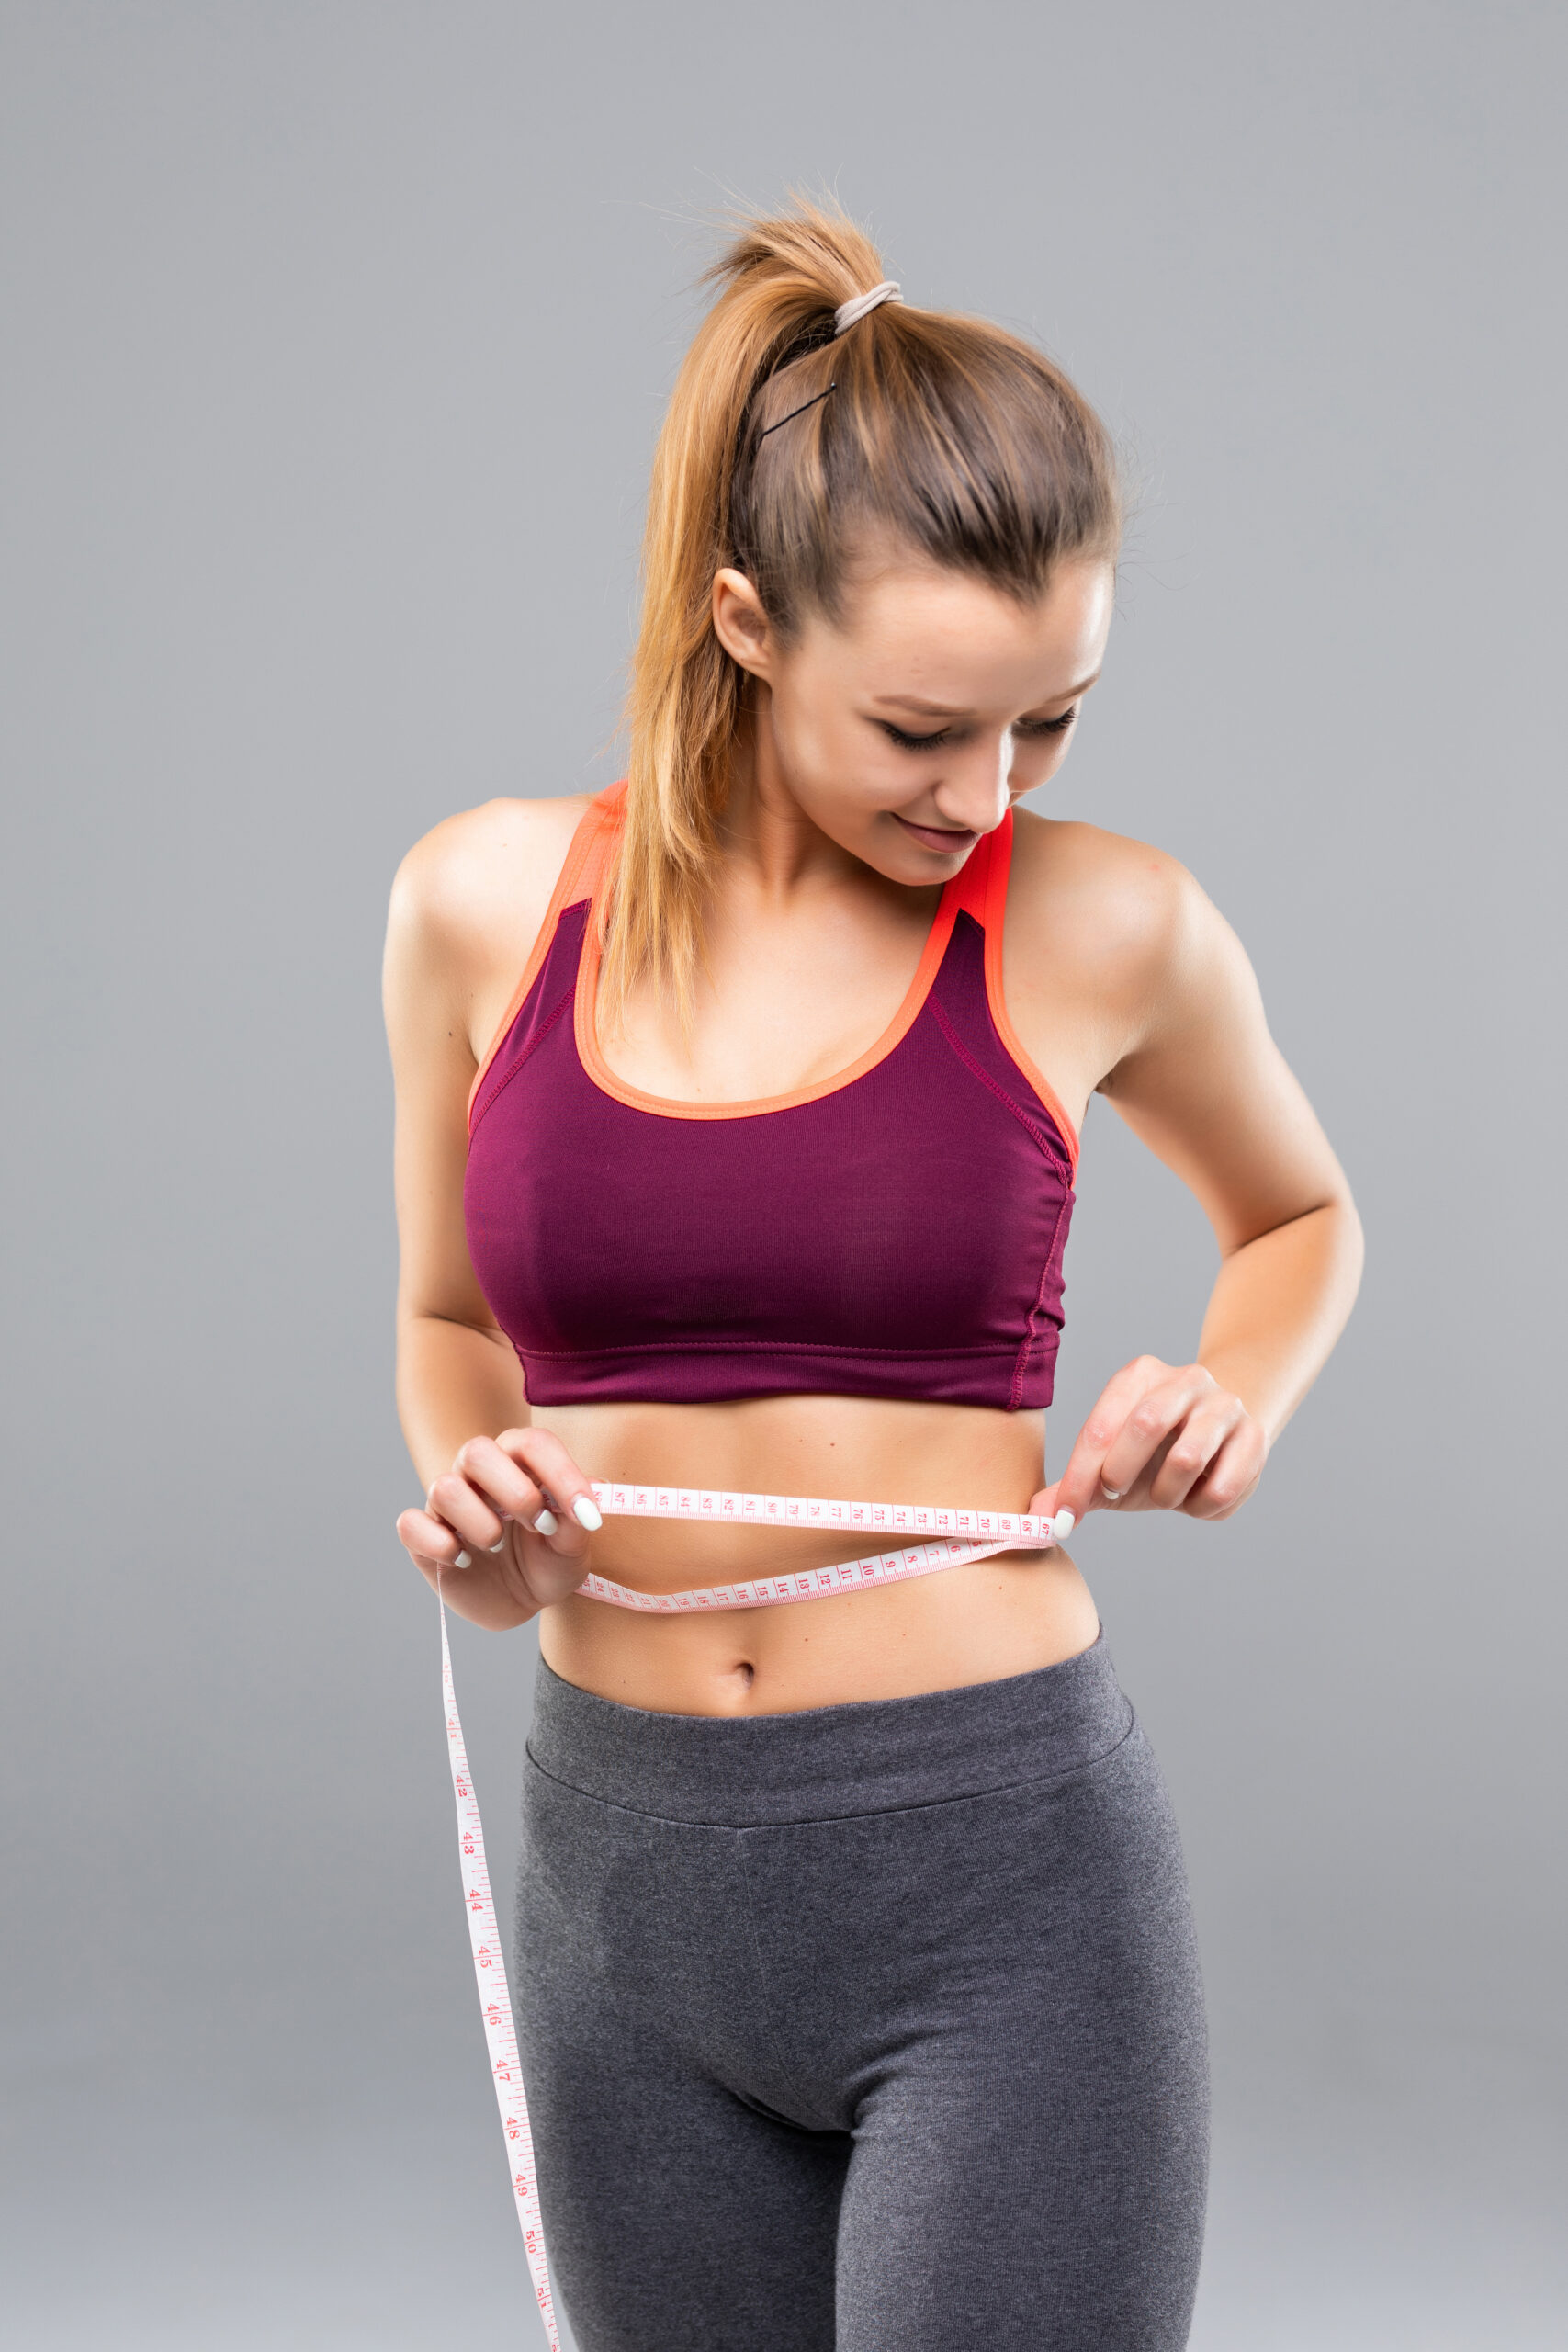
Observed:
{"x":866,"y":1858}
{"x":891,"y":2008}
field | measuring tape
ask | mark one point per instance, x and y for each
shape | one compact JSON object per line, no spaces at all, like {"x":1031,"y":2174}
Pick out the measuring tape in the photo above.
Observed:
{"x":943,"y":1539}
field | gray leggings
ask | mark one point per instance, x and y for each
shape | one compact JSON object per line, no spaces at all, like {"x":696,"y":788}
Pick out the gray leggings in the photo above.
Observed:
{"x":870,"y":2029}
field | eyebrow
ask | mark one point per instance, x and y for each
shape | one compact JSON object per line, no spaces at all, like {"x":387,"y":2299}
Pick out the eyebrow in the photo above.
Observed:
{"x":947,"y":710}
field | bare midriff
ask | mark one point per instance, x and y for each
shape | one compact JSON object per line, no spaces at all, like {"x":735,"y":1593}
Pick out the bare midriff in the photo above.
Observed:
{"x":1002,"y":1616}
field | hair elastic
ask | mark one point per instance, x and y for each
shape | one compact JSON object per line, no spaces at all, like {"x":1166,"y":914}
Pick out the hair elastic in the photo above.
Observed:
{"x":859,"y":305}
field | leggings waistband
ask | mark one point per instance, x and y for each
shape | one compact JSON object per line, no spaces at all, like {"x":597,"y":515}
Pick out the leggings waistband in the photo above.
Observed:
{"x":829,"y":1763}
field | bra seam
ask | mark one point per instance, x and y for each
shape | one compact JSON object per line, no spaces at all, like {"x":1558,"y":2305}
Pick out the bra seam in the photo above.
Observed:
{"x":1030,"y":1330}
{"x":1041,"y":1142}
{"x":729,"y":1346}
{"x":1056,"y":1152}
{"x":578,"y":851}
{"x":535,"y":1042}
{"x":978,"y":892}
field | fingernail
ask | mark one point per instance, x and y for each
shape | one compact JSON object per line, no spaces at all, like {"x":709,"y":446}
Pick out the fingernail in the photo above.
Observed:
{"x":587,"y":1513}
{"x":546,"y":1523}
{"x":499,"y":1546}
{"x":1112,"y":1494}
{"x":463,"y":1560}
{"x":1062,"y":1525}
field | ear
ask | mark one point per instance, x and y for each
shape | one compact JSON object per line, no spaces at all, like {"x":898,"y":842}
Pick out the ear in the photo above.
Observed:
{"x":740,"y":624}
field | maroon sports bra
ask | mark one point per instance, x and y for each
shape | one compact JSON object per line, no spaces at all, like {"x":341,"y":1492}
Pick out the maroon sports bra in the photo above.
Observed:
{"x":896,"y":1230}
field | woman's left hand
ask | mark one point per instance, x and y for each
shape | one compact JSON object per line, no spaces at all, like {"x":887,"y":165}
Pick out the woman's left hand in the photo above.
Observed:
{"x":1161,"y":1436}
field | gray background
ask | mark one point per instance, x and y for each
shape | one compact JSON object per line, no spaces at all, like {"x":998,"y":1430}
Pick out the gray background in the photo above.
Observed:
{"x":336,"y":336}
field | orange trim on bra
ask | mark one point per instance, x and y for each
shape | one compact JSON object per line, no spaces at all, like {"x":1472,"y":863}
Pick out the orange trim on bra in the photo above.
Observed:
{"x":666,"y":1107}
{"x":979,"y":888}
{"x":994,"y":914}
{"x":591,"y":826}
{"x":969,"y":883}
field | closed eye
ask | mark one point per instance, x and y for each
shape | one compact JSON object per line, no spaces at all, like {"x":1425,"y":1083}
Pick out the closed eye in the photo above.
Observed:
{"x":1030,"y":729}
{"x":914,"y":743}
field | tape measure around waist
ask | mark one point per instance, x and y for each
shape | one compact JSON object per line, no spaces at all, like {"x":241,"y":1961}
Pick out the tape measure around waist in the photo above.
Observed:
{"x":942,"y":1539}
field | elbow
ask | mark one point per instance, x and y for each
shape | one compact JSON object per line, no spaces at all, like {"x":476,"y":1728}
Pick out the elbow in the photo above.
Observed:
{"x":1353,"y":1244}
{"x":1340,"y":1253}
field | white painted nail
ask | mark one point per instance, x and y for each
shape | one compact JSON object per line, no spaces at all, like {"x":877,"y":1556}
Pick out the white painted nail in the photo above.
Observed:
{"x":1062,"y":1525}
{"x":1112,"y":1494}
{"x":463,"y":1560}
{"x":499,"y":1546}
{"x":587,"y":1513}
{"x":546,"y":1523}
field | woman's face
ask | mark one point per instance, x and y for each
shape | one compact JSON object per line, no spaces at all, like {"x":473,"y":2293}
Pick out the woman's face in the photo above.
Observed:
{"x":907,"y":730}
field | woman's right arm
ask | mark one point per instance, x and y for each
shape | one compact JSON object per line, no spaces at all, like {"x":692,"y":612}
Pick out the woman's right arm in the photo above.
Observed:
{"x":461,"y":898}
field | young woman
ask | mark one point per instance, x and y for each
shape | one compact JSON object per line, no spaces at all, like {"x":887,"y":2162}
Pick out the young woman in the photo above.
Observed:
{"x":738,"y":1113}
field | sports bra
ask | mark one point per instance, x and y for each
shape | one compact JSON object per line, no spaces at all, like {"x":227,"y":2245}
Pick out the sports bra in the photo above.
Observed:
{"x":896,"y":1230}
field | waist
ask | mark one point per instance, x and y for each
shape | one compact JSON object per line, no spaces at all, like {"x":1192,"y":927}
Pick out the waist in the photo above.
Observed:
{"x":977,"y":1456}
{"x":972,"y":1623}
{"x":830,"y":1762}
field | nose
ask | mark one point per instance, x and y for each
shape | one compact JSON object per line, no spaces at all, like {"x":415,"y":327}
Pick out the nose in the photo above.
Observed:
{"x":974,"y":787}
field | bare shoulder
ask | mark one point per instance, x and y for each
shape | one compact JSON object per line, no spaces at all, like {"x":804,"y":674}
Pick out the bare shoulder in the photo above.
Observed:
{"x":1118,"y":914}
{"x":487,"y":867}
{"x":466,"y":903}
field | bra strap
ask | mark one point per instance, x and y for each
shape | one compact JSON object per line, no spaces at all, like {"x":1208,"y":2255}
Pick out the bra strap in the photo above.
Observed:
{"x":989,"y":905}
{"x":582,"y":870}
{"x":980,"y":886}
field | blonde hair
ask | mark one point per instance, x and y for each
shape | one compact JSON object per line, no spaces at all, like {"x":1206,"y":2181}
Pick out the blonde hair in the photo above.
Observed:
{"x":943,"y":432}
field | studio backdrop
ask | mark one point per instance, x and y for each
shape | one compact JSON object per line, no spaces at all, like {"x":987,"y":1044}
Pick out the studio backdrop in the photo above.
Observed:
{"x":337,"y":337}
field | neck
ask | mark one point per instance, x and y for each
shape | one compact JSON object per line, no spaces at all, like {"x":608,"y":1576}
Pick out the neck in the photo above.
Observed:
{"x":770,"y":845}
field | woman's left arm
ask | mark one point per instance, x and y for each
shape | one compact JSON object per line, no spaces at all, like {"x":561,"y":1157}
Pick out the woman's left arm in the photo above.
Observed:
{"x":1202,"y":1083}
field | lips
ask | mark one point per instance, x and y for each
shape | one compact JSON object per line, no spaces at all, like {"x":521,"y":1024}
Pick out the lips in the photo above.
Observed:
{"x":943,"y":838}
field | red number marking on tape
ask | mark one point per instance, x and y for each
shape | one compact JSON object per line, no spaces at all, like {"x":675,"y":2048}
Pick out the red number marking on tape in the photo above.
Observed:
{"x":500,"y":2037}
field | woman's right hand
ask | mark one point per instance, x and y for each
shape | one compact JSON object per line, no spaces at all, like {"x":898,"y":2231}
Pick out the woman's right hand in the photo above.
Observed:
{"x":516,"y":1505}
